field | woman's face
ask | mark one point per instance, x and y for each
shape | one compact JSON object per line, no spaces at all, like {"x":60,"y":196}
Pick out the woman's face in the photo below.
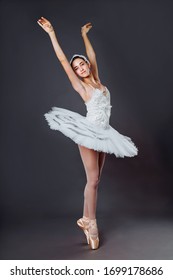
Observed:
{"x":81,"y":67}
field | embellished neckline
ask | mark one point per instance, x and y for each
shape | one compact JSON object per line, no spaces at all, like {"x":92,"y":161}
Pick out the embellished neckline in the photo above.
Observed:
{"x":102,"y":92}
{"x":96,"y":88}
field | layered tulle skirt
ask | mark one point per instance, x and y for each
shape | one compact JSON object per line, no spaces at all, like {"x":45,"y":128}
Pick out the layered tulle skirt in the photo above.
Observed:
{"x":87,"y":134}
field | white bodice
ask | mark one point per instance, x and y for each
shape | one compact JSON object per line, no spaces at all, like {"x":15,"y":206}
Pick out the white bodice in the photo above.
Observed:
{"x":99,"y":108}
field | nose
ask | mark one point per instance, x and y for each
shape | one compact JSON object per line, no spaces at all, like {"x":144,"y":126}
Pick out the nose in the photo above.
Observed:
{"x":81,"y":68}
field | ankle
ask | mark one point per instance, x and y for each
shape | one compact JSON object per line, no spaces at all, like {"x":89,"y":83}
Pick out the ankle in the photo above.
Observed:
{"x":93,"y":229}
{"x":93,"y":222}
{"x":85,"y":218}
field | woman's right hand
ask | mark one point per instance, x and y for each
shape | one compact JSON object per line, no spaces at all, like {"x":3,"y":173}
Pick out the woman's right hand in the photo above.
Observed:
{"x":45,"y":24}
{"x":86,"y":28}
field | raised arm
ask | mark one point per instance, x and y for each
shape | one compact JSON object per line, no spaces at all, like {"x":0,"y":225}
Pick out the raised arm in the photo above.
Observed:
{"x":89,"y":50}
{"x":75,"y":81}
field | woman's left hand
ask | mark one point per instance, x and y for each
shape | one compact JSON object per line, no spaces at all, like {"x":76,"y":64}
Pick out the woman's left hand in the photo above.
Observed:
{"x":86,"y":28}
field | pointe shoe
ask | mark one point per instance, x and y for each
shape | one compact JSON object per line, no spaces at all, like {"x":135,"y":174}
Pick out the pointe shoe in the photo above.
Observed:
{"x":84,"y":226}
{"x":93,"y":235}
{"x":94,"y":242}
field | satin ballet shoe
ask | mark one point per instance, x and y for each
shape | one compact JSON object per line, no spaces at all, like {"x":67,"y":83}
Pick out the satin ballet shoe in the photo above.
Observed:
{"x":93,"y":235}
{"x":93,"y":242}
{"x":83,"y":225}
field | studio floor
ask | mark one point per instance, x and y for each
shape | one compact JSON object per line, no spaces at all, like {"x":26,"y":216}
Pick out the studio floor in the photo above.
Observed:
{"x":126,"y":238}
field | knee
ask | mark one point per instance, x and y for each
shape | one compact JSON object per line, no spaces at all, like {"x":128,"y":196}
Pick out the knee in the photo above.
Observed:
{"x":93,"y":181}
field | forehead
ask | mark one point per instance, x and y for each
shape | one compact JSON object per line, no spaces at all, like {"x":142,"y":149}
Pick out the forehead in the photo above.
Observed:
{"x":77,"y":61}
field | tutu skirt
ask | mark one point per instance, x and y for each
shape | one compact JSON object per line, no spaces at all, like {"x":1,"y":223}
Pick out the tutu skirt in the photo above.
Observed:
{"x":87,"y":134}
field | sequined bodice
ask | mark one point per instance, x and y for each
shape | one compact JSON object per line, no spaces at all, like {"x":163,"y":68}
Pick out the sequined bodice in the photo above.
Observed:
{"x":99,"y":108}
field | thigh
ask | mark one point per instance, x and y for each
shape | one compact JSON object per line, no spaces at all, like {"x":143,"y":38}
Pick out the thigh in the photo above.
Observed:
{"x":102,"y":157}
{"x":90,"y":159}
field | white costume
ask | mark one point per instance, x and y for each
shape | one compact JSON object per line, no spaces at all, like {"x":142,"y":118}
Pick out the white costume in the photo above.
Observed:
{"x":92,"y":131}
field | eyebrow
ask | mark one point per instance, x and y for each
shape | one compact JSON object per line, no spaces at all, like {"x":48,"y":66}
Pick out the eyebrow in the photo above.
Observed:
{"x":79,"y":64}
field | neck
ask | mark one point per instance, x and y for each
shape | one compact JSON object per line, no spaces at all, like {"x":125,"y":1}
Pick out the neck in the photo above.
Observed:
{"x":89,"y":80}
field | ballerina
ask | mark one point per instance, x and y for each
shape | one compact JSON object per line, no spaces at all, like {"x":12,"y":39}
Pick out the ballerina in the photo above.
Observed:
{"x":93,"y":133}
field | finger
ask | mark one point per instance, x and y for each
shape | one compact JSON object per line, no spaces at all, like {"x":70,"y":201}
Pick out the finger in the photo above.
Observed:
{"x":44,"y":18}
{"x":44,"y":21}
{"x":85,"y":25}
{"x":39,"y":23}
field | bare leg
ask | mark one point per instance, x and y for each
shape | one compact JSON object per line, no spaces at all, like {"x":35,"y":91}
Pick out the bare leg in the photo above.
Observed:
{"x":101,"y":161}
{"x":90,"y":162}
{"x":93,"y":163}
{"x":102,"y":157}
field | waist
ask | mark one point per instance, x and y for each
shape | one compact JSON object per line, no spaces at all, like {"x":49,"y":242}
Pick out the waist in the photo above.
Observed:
{"x":99,"y":118}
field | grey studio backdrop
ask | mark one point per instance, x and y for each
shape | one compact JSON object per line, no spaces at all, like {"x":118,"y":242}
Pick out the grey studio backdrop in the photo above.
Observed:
{"x":42,"y":175}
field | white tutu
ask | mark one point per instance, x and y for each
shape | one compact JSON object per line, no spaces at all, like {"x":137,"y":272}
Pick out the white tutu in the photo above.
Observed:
{"x":92,"y":131}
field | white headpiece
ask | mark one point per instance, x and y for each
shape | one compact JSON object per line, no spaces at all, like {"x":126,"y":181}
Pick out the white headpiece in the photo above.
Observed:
{"x":79,"y":55}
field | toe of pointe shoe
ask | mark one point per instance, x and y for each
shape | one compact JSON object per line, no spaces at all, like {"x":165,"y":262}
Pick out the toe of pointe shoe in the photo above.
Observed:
{"x":94,"y":243}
